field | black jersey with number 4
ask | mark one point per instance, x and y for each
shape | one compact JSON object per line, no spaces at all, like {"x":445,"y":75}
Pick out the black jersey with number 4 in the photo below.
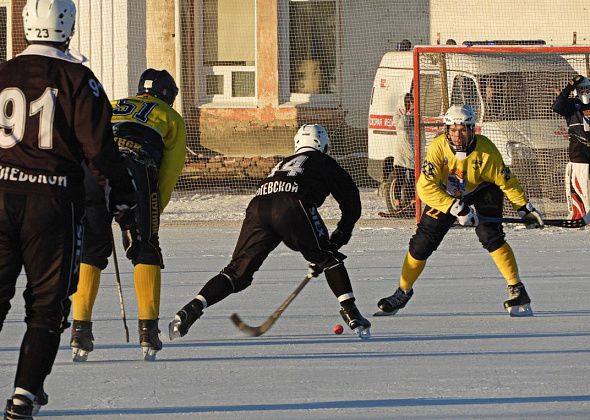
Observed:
{"x":53,"y":115}
{"x":312,"y":176}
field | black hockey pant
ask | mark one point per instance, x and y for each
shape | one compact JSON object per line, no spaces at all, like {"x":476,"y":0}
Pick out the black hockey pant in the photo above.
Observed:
{"x":271,"y":220}
{"x":43,"y":234}
{"x":98,"y":225}
{"x":434,"y":224}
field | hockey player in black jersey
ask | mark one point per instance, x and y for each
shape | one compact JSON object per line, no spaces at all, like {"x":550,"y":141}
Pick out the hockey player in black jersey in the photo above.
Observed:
{"x":285,"y":209}
{"x":576,"y":111}
{"x":54,"y":115}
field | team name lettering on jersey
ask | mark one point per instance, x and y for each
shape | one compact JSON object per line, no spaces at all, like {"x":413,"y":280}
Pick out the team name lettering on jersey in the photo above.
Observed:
{"x":8,"y":173}
{"x":276,"y":187}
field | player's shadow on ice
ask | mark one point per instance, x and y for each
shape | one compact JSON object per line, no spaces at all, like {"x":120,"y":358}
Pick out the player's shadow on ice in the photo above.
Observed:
{"x":325,"y":405}
{"x":537,"y":313}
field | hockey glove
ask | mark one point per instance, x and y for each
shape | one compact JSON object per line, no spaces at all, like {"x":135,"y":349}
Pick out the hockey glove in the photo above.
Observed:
{"x":129,"y":233}
{"x":466,"y":215}
{"x":121,"y":197}
{"x":339,"y":238}
{"x":529,"y":213}
{"x":131,"y":242}
{"x":314,"y":270}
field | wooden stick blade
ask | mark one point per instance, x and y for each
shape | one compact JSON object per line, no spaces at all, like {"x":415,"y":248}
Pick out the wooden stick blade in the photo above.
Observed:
{"x":245,"y":328}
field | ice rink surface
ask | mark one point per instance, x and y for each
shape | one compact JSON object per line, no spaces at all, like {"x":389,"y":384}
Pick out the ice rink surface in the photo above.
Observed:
{"x":452,"y":353}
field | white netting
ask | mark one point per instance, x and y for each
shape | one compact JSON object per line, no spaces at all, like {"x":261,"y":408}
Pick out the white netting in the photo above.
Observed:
{"x":252,"y":71}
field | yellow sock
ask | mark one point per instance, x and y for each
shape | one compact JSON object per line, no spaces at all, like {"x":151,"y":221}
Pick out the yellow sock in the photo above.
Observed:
{"x":411,"y":270}
{"x":504,"y":259}
{"x":147,"y":281}
{"x":83,"y":299}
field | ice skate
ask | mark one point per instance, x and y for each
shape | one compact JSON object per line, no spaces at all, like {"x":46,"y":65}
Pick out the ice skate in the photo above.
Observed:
{"x":359,"y":324}
{"x":518,"y":303}
{"x":22,"y":410}
{"x":149,"y":339}
{"x":82,"y":341}
{"x":185,"y":318}
{"x":390,"y":305}
{"x":41,"y":399}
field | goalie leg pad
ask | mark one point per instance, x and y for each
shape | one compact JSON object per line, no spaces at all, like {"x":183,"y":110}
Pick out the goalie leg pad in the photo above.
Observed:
{"x":577,"y":184}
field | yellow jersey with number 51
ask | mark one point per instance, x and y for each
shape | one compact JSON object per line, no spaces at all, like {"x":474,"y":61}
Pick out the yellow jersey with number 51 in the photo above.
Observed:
{"x":160,"y":130}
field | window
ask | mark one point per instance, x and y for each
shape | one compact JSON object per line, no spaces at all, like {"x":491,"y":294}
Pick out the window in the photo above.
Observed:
{"x":430,"y":95}
{"x":309,"y":50}
{"x":229,"y":50}
{"x":465,"y":92}
{"x":507,"y":96}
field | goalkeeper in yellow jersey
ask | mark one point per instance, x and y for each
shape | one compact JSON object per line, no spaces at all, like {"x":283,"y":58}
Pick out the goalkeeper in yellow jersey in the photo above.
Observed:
{"x":151,"y":136}
{"x":462,"y":176}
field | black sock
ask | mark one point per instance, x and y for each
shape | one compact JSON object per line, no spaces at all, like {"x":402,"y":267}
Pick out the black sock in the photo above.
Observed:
{"x":37,"y":354}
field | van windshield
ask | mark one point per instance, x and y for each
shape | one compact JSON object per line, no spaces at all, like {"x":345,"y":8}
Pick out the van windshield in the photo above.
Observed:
{"x":513,"y":96}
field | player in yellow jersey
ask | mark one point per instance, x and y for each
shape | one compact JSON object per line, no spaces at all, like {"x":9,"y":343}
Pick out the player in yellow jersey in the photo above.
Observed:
{"x":151,"y":136}
{"x":462,"y":176}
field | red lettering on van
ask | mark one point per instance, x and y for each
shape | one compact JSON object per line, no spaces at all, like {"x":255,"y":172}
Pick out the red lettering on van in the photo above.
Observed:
{"x":381,"y":122}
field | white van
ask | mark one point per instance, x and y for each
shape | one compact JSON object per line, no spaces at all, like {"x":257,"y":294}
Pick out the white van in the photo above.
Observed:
{"x":511,"y":94}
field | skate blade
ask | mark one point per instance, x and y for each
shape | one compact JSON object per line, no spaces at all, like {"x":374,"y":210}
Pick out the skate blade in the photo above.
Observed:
{"x":520,"y":311}
{"x":383,"y":313}
{"x":79,"y":355}
{"x":173,"y":332}
{"x":363,"y":333}
{"x":149,"y":354}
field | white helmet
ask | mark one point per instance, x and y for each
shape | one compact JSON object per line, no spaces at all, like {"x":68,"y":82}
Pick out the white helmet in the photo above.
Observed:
{"x":49,"y":20}
{"x":461,"y":115}
{"x":313,"y":136}
{"x":583,"y":91}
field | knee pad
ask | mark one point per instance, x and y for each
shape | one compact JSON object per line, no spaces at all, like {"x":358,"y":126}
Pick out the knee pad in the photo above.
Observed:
{"x":423,"y":245}
{"x":490,"y":238}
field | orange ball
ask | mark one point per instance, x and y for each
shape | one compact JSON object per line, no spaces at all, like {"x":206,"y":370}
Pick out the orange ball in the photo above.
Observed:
{"x":338,"y":329}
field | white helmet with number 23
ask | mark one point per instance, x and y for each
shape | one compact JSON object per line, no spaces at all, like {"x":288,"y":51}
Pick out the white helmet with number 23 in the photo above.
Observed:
{"x":313,"y":136}
{"x":49,"y":20}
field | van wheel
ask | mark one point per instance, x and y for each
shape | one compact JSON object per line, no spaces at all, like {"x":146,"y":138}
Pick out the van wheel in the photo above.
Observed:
{"x":407,"y":194}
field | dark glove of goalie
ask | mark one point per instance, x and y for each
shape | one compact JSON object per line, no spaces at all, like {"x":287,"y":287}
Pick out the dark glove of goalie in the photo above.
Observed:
{"x":529,"y":213}
{"x":339,"y":238}
{"x":575,"y":81}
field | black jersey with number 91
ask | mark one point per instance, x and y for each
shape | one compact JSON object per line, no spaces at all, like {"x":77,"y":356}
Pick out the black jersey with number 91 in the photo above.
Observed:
{"x":53,"y":115}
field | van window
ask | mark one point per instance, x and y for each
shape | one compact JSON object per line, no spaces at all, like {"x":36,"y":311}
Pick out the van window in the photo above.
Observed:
{"x":465,"y":92}
{"x":520,"y":95}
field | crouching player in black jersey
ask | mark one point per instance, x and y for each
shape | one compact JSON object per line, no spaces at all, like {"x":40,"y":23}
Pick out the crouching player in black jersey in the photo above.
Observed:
{"x":151,"y":137}
{"x":462,"y":176}
{"x":285,"y":209}
{"x":54,"y":115}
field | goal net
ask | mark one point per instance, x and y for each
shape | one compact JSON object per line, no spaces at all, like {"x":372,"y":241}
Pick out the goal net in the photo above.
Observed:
{"x":251,"y":72}
{"x":512,"y":90}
